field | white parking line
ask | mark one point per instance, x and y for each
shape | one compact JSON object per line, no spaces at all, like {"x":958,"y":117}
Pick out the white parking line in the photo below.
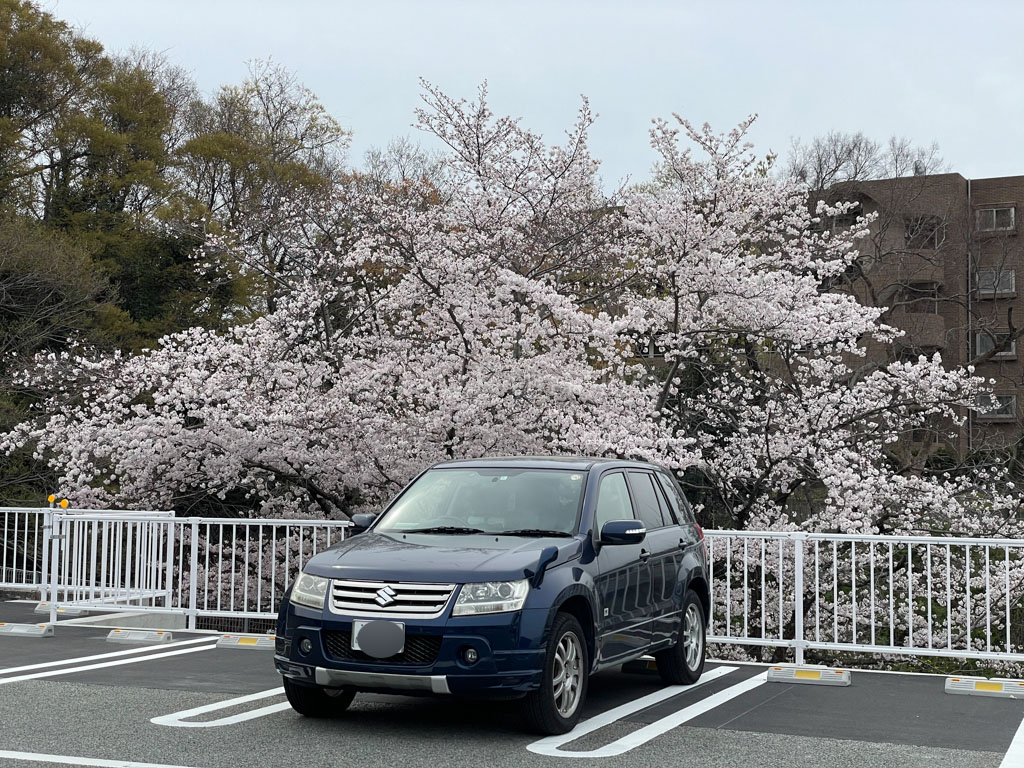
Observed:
{"x":39,"y":757}
{"x":113,"y":654}
{"x":550,"y":745}
{"x":1015,"y":754}
{"x":176,"y":720}
{"x":102,"y":665}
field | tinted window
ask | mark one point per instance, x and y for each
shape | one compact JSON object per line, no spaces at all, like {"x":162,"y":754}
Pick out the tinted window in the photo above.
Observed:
{"x":491,"y":500}
{"x":613,"y":500}
{"x":678,"y":502}
{"x":647,"y":505}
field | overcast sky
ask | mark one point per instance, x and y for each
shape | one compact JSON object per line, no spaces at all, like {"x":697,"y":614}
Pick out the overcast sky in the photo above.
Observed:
{"x":933,"y":71}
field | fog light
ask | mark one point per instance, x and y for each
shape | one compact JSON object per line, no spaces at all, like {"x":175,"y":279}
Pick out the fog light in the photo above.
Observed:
{"x":470,"y":656}
{"x":305,"y":646}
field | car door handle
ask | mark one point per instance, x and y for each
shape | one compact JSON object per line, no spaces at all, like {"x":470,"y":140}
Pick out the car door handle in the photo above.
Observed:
{"x":644,"y":554}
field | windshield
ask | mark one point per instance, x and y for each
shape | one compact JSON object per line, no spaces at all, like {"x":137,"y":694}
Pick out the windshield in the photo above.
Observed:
{"x":510,"y":501}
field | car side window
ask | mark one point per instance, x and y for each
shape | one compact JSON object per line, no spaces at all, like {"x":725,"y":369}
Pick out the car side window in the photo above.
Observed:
{"x":647,"y":503}
{"x":612,"y":501}
{"x":668,"y":509}
{"x":680,"y":506}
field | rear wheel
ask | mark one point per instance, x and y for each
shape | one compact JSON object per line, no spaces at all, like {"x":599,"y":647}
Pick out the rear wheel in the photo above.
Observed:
{"x":556,"y":706}
{"x":683,"y":663}
{"x":317,"y":701}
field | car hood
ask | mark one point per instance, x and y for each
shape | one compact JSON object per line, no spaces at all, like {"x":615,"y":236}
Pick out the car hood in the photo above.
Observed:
{"x":438,"y":557}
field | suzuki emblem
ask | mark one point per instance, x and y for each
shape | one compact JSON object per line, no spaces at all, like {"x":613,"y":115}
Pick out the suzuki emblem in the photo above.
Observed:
{"x":385,"y":597}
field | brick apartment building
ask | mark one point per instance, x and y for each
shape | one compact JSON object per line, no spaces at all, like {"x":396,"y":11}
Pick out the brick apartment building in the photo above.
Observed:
{"x":945,"y":255}
{"x":946,"y":258}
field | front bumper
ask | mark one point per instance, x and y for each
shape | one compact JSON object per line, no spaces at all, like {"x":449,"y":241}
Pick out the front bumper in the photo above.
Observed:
{"x":340,"y":678}
{"x":510,"y":648}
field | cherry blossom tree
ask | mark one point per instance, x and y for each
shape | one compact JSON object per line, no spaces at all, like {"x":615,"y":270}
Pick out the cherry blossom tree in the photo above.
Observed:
{"x":408,"y":330}
{"x":769,"y":372}
{"x":500,"y":314}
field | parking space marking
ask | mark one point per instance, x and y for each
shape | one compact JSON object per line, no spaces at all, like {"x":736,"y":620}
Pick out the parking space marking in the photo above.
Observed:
{"x":39,"y":757}
{"x":177,"y":719}
{"x":102,"y":665}
{"x":1015,"y":754}
{"x":550,"y":744}
{"x":112,"y":654}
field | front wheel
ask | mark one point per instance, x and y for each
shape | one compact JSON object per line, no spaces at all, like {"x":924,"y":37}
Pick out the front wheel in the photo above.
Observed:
{"x":683,"y":663}
{"x":317,"y":701}
{"x":556,"y":706}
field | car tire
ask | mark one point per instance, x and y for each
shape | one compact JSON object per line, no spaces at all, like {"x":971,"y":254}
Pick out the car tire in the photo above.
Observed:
{"x":317,"y":701}
{"x":551,"y":709}
{"x":682,"y":664}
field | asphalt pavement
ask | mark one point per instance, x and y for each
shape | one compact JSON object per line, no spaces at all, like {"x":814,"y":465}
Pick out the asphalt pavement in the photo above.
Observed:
{"x":76,"y":699}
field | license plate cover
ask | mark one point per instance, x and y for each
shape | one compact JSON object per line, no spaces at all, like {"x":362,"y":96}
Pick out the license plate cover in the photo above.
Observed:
{"x":358,"y":625}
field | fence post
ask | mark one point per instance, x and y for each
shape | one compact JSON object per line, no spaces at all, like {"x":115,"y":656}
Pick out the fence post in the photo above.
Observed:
{"x":54,"y":552}
{"x":798,"y":597}
{"x":193,"y":574}
{"x":44,"y":582}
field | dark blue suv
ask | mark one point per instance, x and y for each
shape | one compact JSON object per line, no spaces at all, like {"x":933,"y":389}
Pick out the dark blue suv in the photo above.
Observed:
{"x":510,"y":578}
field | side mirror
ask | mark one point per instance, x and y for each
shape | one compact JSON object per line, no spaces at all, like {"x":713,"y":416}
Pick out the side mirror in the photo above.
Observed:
{"x":623,"y":532}
{"x":361,"y":522}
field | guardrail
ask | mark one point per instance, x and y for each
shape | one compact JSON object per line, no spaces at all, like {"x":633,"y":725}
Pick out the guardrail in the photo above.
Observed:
{"x":191,"y":566}
{"x":919,"y":596}
{"x":25,"y":557}
{"x":21,"y":556}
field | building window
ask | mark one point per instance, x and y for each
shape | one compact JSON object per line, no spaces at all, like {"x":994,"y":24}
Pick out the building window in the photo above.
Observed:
{"x":1005,"y":409}
{"x":985,"y":342}
{"x":924,"y":232}
{"x":996,"y":219}
{"x":996,"y":282}
{"x":842,"y":222}
{"x":648,"y":346}
{"x":921,"y":298}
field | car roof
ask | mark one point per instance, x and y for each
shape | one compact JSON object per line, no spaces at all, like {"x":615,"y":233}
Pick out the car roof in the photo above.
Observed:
{"x":543,"y":462}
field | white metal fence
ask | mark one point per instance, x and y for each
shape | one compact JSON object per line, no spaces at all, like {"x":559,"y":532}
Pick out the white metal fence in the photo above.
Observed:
{"x":923,"y":596}
{"x":25,"y":537}
{"x":22,"y":563}
{"x":920,"y":596}
{"x":116,"y":561}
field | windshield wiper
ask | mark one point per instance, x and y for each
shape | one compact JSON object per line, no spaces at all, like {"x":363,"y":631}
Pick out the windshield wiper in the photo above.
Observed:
{"x":444,"y":529}
{"x":531,"y":532}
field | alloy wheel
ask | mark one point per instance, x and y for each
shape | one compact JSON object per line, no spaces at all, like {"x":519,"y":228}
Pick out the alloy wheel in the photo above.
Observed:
{"x":693,"y":637}
{"x":567,"y":674}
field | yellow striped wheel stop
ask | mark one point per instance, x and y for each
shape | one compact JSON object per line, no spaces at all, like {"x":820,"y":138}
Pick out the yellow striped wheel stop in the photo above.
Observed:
{"x":983,"y":686}
{"x":139,"y":637}
{"x":809,"y":675}
{"x":65,"y":611}
{"x":258,"y":642}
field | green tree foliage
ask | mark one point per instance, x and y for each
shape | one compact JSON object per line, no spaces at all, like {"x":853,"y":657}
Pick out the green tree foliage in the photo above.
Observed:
{"x":47,"y":75}
{"x":113,"y":170}
{"x":252,"y":146}
{"x":50,"y":291}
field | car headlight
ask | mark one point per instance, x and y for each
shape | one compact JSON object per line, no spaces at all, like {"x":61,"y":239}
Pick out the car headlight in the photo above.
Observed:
{"x":491,"y":597}
{"x":310,"y":591}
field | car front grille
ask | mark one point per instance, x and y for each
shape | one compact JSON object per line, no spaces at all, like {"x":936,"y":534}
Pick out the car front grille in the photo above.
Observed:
{"x":419,"y":649}
{"x":381,"y":598}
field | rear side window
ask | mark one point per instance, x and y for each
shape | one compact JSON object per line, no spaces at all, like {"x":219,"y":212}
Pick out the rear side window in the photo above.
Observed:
{"x":647,"y":504}
{"x":676,"y":500}
{"x":612,"y":501}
